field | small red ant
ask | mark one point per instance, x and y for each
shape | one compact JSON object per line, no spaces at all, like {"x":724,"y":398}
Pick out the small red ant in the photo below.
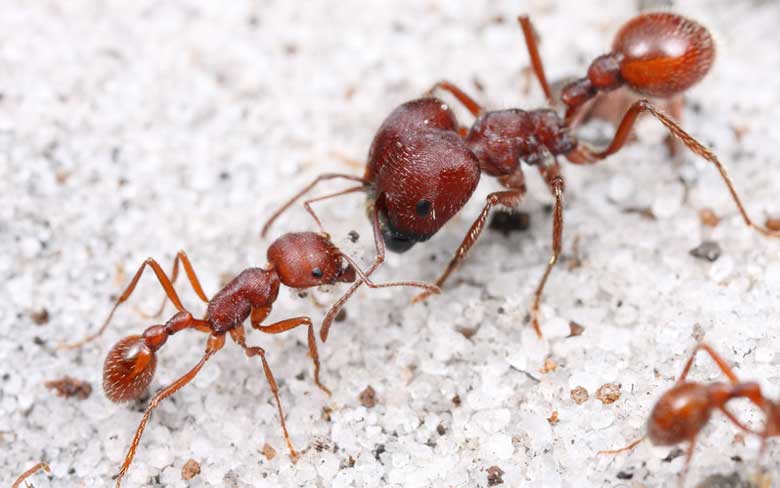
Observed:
{"x":423,"y":166}
{"x":30,"y":472}
{"x":683,"y":411}
{"x":297,"y":260}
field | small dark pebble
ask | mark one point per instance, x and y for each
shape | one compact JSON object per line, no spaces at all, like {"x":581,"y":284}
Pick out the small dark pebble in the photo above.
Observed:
{"x":673,"y":454}
{"x":441,"y":430}
{"x":368,"y":397}
{"x":380,"y":448}
{"x":40,"y":316}
{"x":508,"y":222}
{"x":494,"y":474}
{"x":622,"y":475}
{"x":341,"y":316}
{"x":353,"y":236}
{"x":456,"y":400}
{"x":708,"y":250}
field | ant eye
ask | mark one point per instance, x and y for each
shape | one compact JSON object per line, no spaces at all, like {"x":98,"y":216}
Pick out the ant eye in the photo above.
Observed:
{"x":422,"y":208}
{"x":316,"y":272}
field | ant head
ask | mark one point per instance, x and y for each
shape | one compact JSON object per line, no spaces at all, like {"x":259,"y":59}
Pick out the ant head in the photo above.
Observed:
{"x":308,"y":259}
{"x":128,"y":369}
{"x":679,"y":414}
{"x":662,"y":54}
{"x":417,"y":197}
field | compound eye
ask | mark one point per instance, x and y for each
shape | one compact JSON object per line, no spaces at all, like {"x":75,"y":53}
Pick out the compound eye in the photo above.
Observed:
{"x":423,"y":207}
{"x":317,"y":273}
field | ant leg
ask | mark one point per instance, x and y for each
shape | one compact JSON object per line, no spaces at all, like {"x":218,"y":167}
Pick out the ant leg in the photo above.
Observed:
{"x":307,"y":203}
{"x":285,"y":325}
{"x":624,"y":130}
{"x":468,"y":102}
{"x":557,"y":186}
{"x":306,"y":189}
{"x":238,"y":336}
{"x":379,"y":243}
{"x":623,"y":449}
{"x":507,"y":198}
{"x":719,"y":361}
{"x":734,"y":420}
{"x":30,"y":472}
{"x":214,"y":344}
{"x":191,"y":276}
{"x":536,"y":59}
{"x":688,"y":456}
{"x":164,"y":282}
{"x":365,"y":279}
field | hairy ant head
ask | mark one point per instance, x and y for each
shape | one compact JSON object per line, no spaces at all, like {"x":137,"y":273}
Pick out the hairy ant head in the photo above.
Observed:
{"x":128,"y":369}
{"x":308,"y":259}
{"x":423,"y":173}
{"x":680,"y":414}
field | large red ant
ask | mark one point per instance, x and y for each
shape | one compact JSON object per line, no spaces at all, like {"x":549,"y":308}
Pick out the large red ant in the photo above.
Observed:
{"x":423,"y":166}
{"x":297,"y":260}
{"x":683,"y":411}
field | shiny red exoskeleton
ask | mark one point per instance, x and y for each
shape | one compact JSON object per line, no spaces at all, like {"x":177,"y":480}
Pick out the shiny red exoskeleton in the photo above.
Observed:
{"x":423,"y":166}
{"x":683,"y":410}
{"x":296,"y":260}
{"x":656,"y":54}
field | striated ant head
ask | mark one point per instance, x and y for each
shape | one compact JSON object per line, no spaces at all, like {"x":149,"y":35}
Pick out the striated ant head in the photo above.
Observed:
{"x":308,"y":259}
{"x":128,"y":369}
{"x":422,"y":172}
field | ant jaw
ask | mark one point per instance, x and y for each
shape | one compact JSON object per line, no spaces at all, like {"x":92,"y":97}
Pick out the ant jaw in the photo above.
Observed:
{"x":128,"y":369}
{"x":346,"y":275}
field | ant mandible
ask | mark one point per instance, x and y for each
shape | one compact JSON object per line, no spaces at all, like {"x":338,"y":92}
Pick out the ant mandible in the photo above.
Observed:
{"x":683,"y":411}
{"x":423,"y":166}
{"x":297,"y":260}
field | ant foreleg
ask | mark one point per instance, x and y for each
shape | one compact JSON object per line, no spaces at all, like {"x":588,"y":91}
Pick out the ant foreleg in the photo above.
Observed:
{"x":285,"y":325}
{"x":536,"y":60}
{"x":624,"y":129}
{"x":379,"y":243}
{"x":623,"y":449}
{"x":468,"y":102}
{"x":238,"y":336}
{"x":164,"y":282}
{"x":306,"y":189}
{"x":507,"y":198}
{"x":307,"y":203}
{"x":214,"y":344}
{"x":30,"y":472}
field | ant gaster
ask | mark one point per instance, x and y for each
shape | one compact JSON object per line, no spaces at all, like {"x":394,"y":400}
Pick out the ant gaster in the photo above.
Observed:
{"x":297,"y":260}
{"x":683,"y":411}
{"x":423,"y":166}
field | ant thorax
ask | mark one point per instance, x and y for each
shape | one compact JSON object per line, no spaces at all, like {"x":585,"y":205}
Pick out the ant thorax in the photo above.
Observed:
{"x":501,"y":139}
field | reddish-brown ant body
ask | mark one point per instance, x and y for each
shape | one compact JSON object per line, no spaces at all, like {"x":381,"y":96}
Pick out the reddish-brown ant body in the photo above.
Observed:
{"x":297,"y":260}
{"x":683,"y":410}
{"x":423,"y":166}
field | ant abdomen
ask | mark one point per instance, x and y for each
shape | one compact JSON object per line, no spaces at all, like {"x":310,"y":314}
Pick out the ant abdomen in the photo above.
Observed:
{"x":662,"y":54}
{"x":128,"y":369}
